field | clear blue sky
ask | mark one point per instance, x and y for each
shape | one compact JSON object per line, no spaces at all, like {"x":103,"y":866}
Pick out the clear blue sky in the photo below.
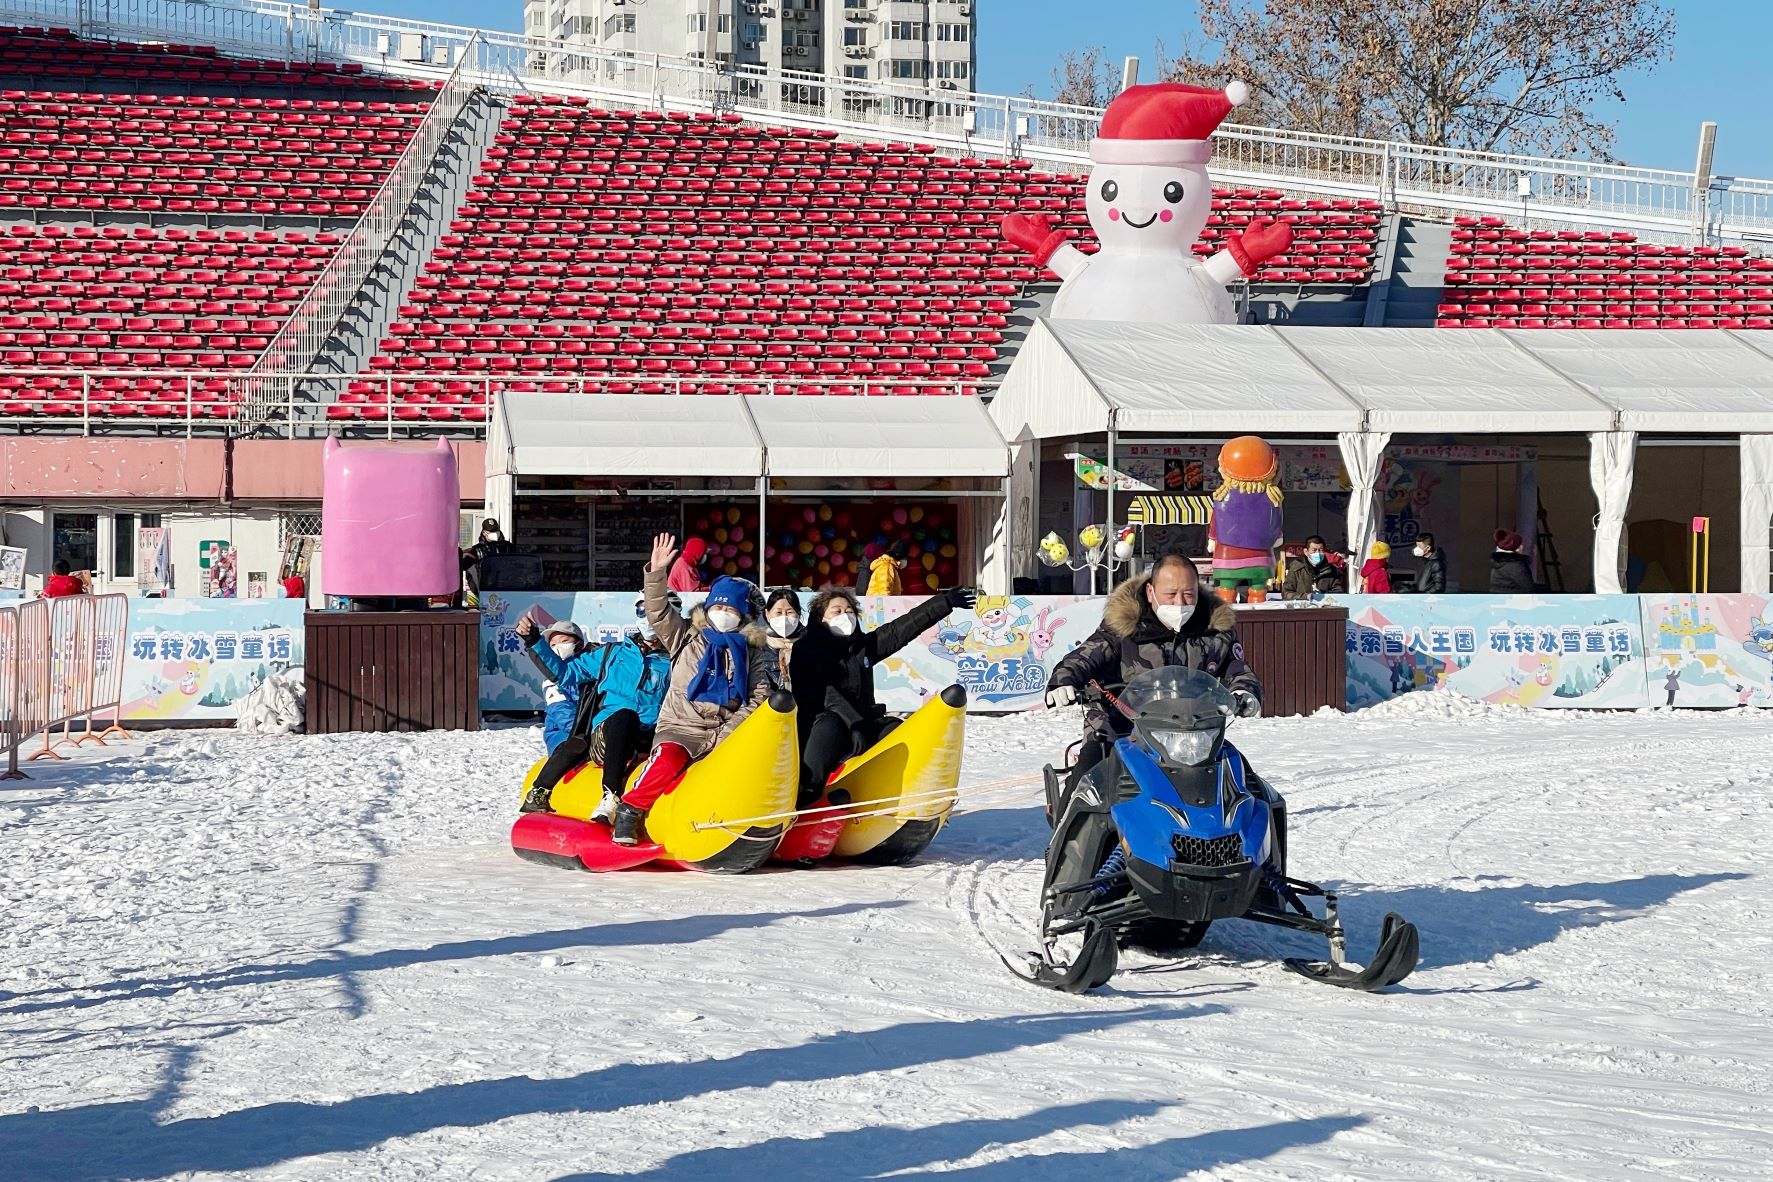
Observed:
{"x":1720,"y":68}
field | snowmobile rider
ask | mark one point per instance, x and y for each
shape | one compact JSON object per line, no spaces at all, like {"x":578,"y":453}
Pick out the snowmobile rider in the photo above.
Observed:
{"x":720,"y":672}
{"x":617,"y":690}
{"x":832,"y":671}
{"x":1150,"y":622}
{"x":560,"y":705}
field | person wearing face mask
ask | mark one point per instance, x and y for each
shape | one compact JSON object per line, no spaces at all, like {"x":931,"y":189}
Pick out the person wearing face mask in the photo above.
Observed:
{"x":833,"y":678}
{"x":615,"y":691}
{"x":492,"y":541}
{"x":720,"y":672}
{"x":1320,"y":572}
{"x":559,"y":706}
{"x":1431,"y":576}
{"x":781,"y":615}
{"x":1150,"y":622}
{"x":883,"y":572}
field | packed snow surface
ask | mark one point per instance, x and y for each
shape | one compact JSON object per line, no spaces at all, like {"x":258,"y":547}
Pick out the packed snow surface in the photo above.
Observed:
{"x":316,"y":958}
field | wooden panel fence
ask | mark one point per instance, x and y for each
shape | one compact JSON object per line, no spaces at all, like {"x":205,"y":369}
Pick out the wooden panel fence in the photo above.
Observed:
{"x":393,"y":671}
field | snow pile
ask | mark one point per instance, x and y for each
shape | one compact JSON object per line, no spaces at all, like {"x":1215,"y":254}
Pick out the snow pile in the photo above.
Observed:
{"x":1444,"y":705}
{"x":275,"y":706}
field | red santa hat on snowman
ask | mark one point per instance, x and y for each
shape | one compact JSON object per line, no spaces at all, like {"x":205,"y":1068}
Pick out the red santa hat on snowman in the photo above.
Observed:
{"x":1164,"y":125}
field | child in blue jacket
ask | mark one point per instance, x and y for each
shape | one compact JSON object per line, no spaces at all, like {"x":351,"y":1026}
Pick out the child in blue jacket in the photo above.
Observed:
{"x":616,"y":689}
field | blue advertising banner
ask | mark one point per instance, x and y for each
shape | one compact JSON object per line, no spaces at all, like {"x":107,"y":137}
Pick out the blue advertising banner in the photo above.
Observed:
{"x":196,"y":658}
{"x":1523,"y":650}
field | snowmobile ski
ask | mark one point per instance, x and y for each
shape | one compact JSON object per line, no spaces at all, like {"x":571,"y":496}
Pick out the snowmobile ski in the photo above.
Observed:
{"x":1394,"y":960}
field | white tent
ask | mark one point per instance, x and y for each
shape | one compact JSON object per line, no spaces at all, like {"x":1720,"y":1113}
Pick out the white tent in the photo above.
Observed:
{"x":1082,"y":377}
{"x":751,"y":438}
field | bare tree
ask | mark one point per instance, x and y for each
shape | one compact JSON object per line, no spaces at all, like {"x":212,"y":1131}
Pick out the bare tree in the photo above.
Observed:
{"x":1084,"y":78}
{"x":1491,"y":75}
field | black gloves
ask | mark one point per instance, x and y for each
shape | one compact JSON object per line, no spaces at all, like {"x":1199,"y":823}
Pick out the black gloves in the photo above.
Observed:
{"x":962,"y":597}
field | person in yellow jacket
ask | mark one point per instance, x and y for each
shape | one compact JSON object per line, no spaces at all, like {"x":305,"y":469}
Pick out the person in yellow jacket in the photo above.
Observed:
{"x":883,"y":573}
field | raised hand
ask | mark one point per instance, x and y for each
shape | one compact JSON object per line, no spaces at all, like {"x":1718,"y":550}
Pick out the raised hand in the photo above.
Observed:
{"x":526,"y":627}
{"x":1264,"y":239}
{"x":664,"y":552}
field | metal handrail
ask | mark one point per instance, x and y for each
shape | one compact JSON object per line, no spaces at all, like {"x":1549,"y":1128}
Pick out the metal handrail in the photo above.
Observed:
{"x":205,"y":406}
{"x":316,"y":316}
{"x":1656,"y":203}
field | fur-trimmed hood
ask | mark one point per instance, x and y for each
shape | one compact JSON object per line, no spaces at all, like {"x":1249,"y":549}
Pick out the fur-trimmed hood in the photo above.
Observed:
{"x":1127,"y":609}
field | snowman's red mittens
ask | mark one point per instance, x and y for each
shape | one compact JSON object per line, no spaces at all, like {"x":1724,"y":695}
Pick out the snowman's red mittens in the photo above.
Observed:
{"x":1033,"y":233}
{"x":1264,"y":240}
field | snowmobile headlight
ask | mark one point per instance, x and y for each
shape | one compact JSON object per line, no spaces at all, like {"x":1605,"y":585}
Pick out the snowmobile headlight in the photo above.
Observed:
{"x":1186,"y":747}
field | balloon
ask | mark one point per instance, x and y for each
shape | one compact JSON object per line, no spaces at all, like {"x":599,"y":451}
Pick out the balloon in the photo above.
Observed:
{"x":809,"y":515}
{"x":843,"y":518}
{"x":929,"y":562}
{"x":805,"y":548}
{"x":839,"y":545}
{"x":932,"y":582}
{"x":900,"y":517}
{"x":747,"y":547}
{"x":822,"y":550}
{"x":824,"y":512}
{"x":917,"y":513}
{"x":733,"y":516}
{"x":746,"y":562}
{"x":738,"y":533}
{"x":729,"y":550}
{"x":949,"y":551}
{"x":720,"y":534}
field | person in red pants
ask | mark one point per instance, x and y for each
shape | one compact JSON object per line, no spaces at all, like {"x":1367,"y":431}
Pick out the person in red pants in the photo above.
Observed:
{"x":720,"y":672}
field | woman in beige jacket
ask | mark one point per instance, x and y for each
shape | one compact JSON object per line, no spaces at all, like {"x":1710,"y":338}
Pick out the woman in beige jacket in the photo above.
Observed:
{"x":720,"y":672}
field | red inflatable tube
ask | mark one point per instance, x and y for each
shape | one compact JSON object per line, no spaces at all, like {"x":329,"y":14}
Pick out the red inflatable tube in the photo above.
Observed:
{"x":577,"y":845}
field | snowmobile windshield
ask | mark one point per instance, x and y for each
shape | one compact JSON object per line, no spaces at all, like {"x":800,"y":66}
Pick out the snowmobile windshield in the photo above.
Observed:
{"x":1179,"y":714}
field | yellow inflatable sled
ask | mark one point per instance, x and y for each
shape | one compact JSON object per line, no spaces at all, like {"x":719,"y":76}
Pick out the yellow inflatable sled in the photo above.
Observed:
{"x":708,"y":822}
{"x":901,"y":791}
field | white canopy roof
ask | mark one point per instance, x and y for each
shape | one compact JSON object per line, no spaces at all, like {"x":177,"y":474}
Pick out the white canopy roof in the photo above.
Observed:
{"x":536,"y":434}
{"x":1080,"y":377}
{"x":878,"y":436}
{"x":634,"y":435}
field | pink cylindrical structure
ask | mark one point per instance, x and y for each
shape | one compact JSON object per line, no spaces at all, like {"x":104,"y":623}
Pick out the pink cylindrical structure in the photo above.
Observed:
{"x":388,"y":520}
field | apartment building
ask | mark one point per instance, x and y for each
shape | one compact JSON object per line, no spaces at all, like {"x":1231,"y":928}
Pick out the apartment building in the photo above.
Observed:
{"x":927,"y":45}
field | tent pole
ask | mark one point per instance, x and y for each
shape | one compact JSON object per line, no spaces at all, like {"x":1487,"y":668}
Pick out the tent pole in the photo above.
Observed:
{"x":763,"y":533}
{"x":1108,"y":522}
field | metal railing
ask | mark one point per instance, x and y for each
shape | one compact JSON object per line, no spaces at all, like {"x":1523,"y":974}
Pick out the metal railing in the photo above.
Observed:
{"x":301,"y":405}
{"x":316,"y":316}
{"x":1656,"y":203}
{"x":61,"y":661}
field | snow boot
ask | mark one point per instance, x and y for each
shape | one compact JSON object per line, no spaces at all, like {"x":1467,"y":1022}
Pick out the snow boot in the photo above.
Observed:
{"x":606,"y":809}
{"x":539,"y":800}
{"x":627,"y":824}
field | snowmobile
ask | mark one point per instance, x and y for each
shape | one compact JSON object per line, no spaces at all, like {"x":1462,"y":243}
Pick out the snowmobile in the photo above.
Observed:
{"x":1171,"y":832}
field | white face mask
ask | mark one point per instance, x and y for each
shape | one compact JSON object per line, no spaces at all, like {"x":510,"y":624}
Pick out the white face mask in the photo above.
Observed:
{"x":1173,"y":615}
{"x":566,"y":650}
{"x":842,"y":625}
{"x":1421,"y":551}
{"x":723,"y":619}
{"x":784,"y":626}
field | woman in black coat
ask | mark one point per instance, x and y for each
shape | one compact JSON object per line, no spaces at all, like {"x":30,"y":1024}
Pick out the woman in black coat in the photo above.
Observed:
{"x":1510,"y":572}
{"x":832,"y":672}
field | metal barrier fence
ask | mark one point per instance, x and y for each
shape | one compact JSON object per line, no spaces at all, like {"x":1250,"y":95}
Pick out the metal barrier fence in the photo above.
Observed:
{"x":1658,"y":203}
{"x":292,"y":405}
{"x":319,"y":311}
{"x":61,"y":662}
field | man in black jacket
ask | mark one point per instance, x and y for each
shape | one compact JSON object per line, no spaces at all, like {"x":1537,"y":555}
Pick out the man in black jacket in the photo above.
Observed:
{"x":1318,"y":573}
{"x":1431,"y":576}
{"x":832,"y":674}
{"x":1148,"y":623}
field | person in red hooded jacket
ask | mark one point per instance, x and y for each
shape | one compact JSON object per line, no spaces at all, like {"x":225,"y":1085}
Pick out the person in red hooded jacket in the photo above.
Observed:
{"x":686,"y":572}
{"x":65,"y":582}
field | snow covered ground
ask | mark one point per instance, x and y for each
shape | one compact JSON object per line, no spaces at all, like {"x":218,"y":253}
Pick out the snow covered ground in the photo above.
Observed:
{"x":315,"y":958}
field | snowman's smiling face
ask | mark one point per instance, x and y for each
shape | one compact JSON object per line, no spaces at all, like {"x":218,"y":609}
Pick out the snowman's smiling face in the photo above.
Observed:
{"x":1148,"y":208}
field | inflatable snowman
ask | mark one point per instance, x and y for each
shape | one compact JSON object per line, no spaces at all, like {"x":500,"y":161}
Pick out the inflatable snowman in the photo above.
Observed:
{"x":1148,"y":198}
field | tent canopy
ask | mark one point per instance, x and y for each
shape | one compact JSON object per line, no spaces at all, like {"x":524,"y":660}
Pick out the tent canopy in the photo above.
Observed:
{"x":638,"y":435}
{"x":536,"y":434}
{"x":1076,"y":377}
{"x":933,"y":436}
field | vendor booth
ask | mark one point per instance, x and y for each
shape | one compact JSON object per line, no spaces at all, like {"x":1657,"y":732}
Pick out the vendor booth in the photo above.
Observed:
{"x":783,"y":490}
{"x":1541,"y":402}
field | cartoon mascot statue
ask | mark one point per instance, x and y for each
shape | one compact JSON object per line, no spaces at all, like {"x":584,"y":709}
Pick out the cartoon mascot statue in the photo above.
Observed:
{"x":1148,"y":197}
{"x":1246,"y":528}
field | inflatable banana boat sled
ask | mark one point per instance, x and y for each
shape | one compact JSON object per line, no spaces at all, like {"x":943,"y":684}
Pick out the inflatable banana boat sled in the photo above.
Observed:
{"x":754,"y":772}
{"x":916,"y":768}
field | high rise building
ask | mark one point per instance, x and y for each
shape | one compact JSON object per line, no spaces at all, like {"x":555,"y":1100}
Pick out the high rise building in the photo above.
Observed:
{"x":927,"y":45}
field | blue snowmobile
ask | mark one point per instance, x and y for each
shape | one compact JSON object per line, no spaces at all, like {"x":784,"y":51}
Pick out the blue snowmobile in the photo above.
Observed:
{"x":1171,"y":832}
